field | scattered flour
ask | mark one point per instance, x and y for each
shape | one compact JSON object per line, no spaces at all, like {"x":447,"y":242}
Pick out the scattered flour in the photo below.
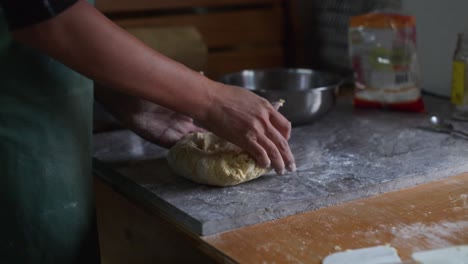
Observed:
{"x":436,"y":234}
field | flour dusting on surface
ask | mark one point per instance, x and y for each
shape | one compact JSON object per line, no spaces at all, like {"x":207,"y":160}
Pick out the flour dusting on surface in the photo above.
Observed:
{"x":436,"y":235}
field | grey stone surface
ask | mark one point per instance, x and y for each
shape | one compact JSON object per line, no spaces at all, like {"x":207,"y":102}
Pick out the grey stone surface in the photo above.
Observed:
{"x":348,"y":154}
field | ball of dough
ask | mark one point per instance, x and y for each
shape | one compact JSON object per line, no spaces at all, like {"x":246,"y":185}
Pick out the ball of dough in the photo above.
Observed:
{"x":207,"y":159}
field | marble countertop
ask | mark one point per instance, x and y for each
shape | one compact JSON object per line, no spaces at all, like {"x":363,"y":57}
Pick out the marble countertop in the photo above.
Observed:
{"x":346,"y":155}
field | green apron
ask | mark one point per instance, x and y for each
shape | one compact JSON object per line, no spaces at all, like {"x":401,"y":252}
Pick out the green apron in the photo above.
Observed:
{"x":47,"y":201}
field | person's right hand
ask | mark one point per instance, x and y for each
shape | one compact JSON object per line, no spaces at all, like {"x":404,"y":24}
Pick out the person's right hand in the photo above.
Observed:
{"x":253,"y":124}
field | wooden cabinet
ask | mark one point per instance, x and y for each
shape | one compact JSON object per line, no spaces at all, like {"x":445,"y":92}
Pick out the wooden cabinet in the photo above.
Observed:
{"x":239,"y":34}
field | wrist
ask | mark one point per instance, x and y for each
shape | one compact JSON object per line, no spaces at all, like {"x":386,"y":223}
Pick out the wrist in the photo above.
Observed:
{"x":205,"y":100}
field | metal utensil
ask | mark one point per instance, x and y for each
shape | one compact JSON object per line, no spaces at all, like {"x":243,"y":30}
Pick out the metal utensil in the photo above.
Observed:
{"x":439,"y":124}
{"x":308,"y":94}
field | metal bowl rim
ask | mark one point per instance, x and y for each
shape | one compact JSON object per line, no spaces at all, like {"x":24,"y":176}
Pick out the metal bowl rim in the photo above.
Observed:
{"x":335,"y":77}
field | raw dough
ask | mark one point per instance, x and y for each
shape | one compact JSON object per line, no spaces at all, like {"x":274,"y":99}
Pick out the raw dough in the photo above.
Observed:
{"x":207,"y":159}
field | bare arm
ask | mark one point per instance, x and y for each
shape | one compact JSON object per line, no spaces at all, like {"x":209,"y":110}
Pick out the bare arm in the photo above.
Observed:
{"x":85,"y":40}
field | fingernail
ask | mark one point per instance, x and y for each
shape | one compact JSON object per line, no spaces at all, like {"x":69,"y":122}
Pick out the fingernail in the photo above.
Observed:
{"x":280,"y":172}
{"x":292,"y":167}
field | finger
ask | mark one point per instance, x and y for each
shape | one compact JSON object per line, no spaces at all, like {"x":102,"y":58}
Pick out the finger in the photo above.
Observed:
{"x":199,"y":129}
{"x":191,"y":128}
{"x":283,"y":147}
{"x":258,"y":153}
{"x":281,"y":124}
{"x":182,"y":118}
{"x":273,"y":153}
{"x":278,"y":104}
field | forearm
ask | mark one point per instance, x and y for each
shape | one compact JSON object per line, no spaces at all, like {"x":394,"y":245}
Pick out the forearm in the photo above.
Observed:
{"x":85,"y":40}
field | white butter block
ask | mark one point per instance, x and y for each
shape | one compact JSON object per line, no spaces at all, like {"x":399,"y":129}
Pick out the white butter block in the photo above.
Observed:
{"x":371,"y":255}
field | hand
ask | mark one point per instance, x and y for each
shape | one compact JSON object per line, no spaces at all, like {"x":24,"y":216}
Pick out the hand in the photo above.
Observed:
{"x":253,"y":124}
{"x":160,"y":125}
{"x":150,"y":121}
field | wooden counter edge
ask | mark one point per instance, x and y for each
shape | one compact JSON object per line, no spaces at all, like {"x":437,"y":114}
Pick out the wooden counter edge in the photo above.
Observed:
{"x":427,"y":216}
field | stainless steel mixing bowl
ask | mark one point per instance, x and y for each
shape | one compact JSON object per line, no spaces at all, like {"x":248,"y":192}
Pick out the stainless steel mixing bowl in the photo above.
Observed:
{"x":309,"y":94}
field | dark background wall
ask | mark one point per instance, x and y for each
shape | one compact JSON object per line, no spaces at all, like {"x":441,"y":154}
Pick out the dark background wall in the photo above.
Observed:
{"x":324,"y":26}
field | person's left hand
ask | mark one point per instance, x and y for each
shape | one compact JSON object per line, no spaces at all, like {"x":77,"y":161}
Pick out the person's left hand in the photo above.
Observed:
{"x":161,"y":125}
{"x":152,"y":122}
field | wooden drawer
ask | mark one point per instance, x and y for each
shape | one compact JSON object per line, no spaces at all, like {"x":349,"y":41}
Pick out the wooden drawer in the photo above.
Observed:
{"x":239,"y":34}
{"x":113,"y":6}
{"x":223,"y":29}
